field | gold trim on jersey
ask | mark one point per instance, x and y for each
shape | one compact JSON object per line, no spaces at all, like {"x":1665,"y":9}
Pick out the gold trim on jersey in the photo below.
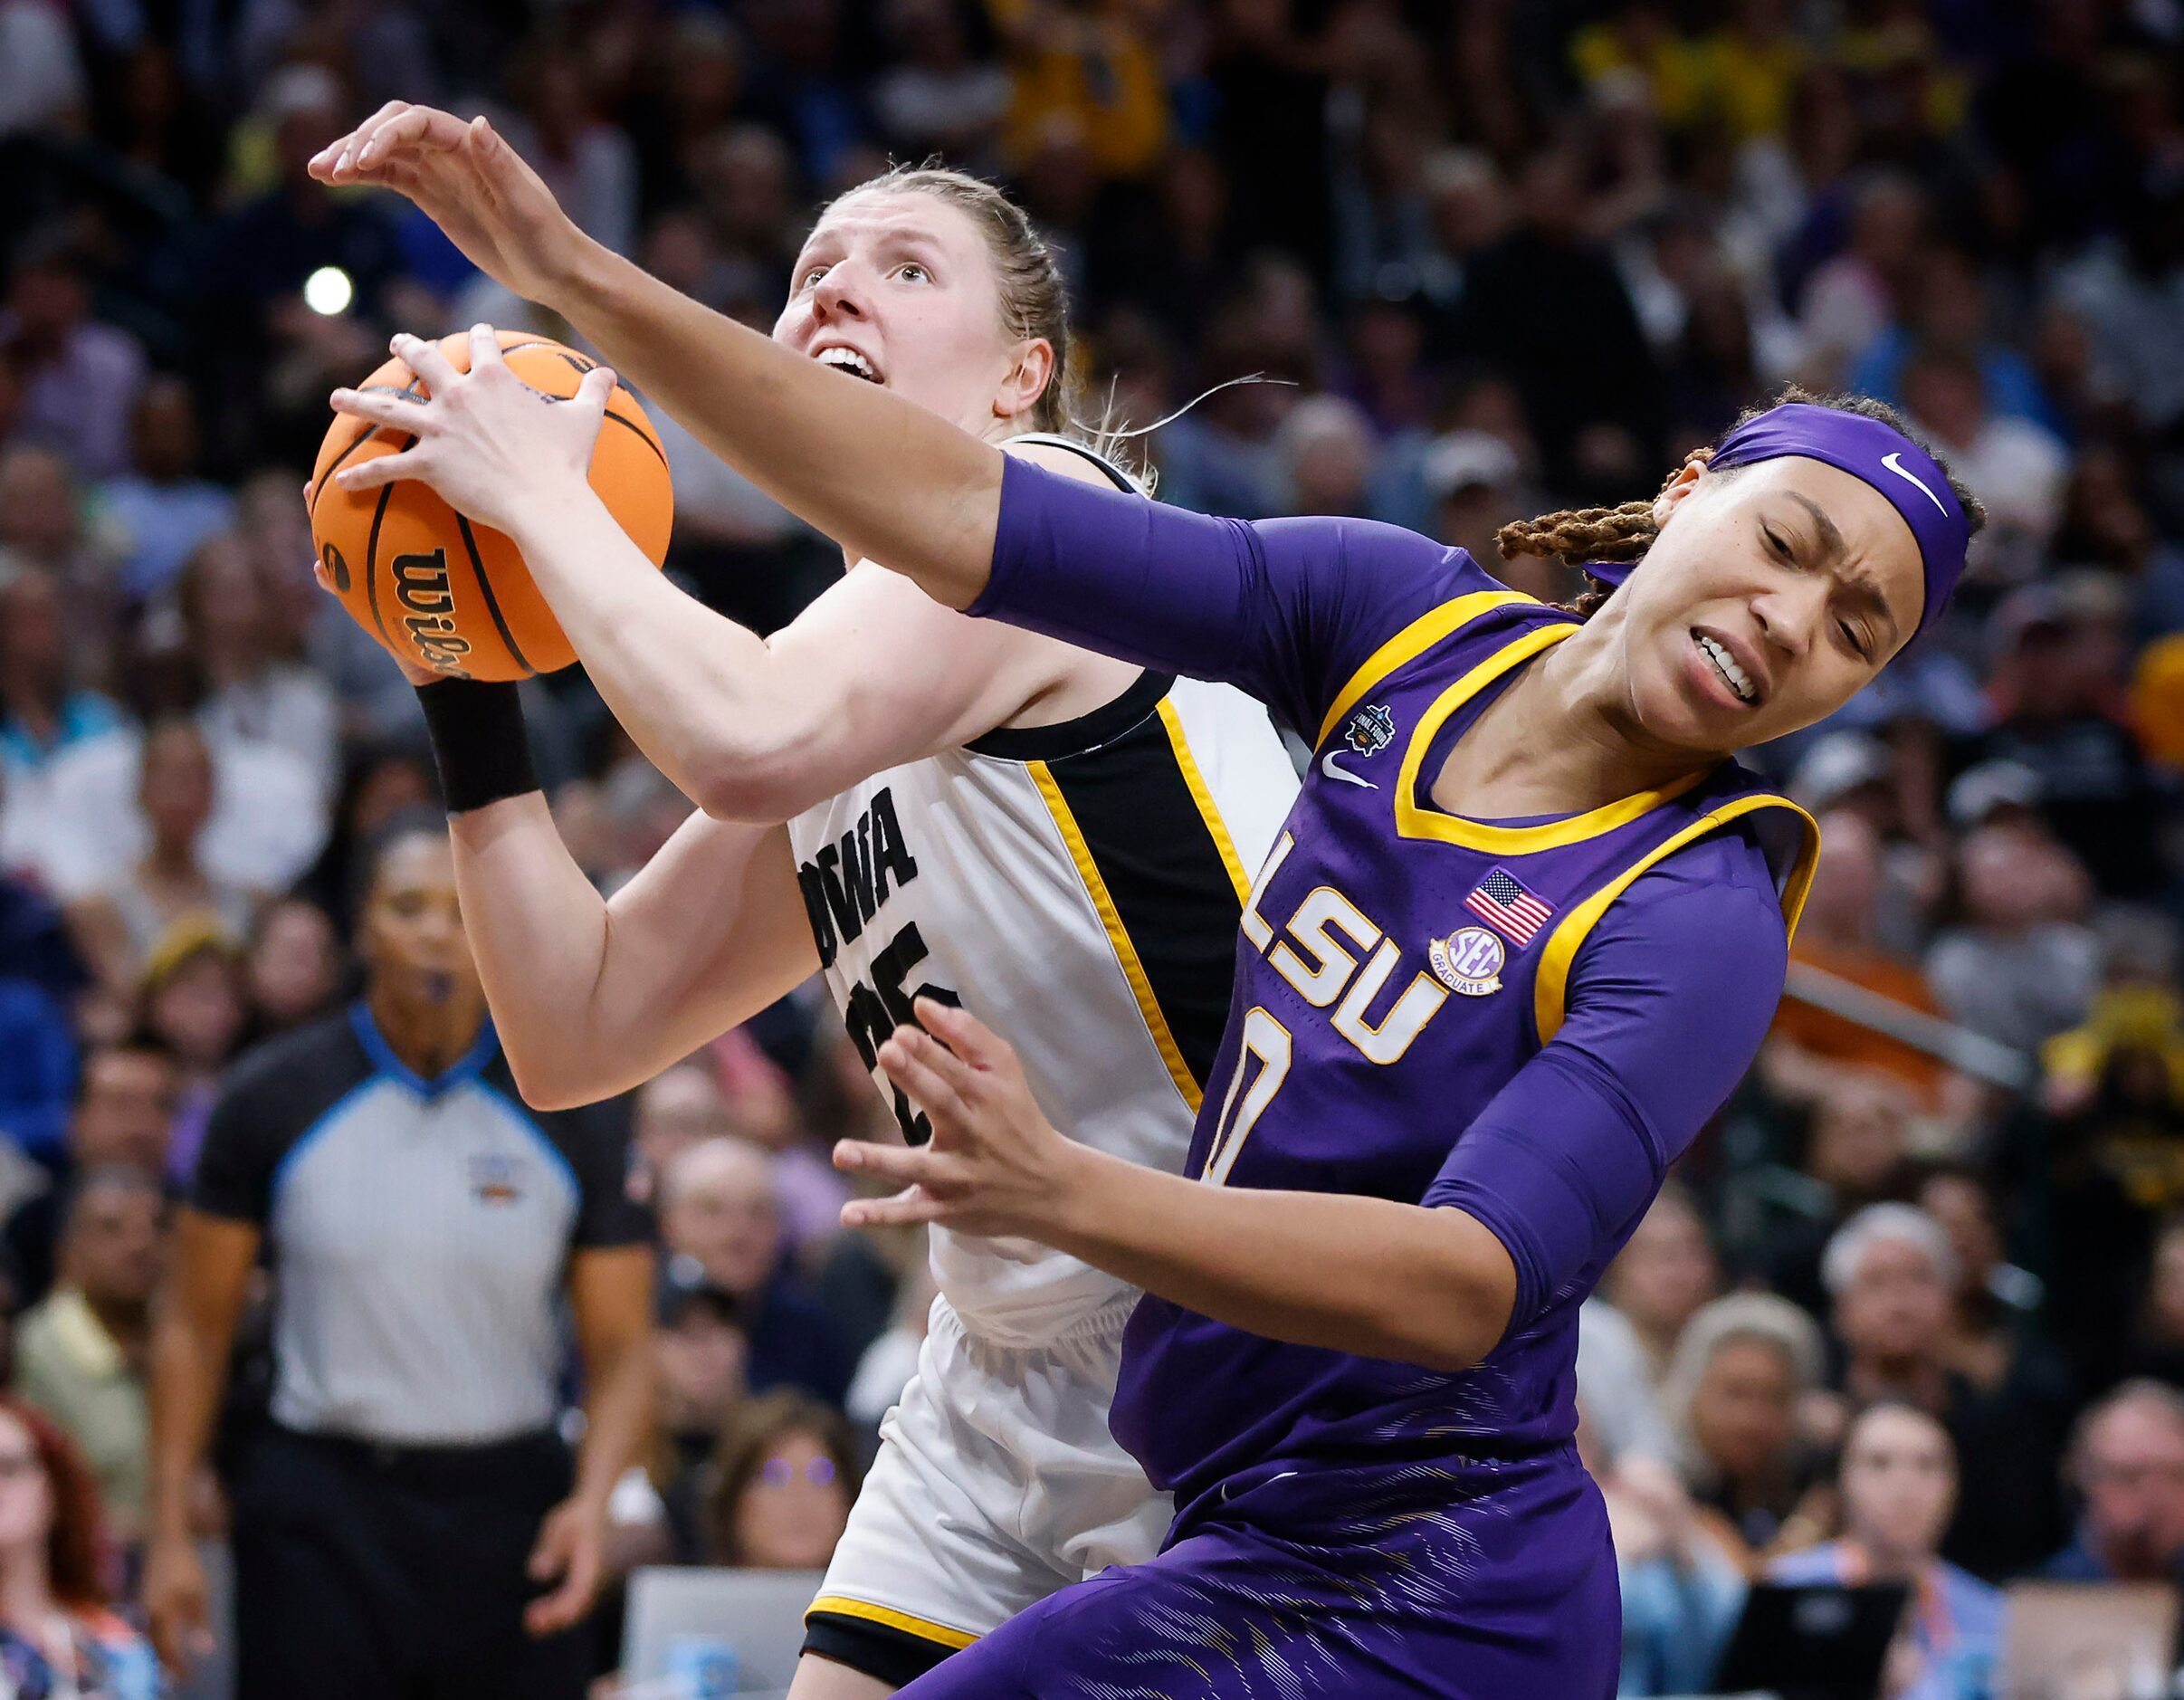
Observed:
{"x":1550,"y":983}
{"x":1407,"y":644}
{"x":940,"y":1634}
{"x":1202,"y":794}
{"x":1117,"y":936}
{"x":1414,"y":821}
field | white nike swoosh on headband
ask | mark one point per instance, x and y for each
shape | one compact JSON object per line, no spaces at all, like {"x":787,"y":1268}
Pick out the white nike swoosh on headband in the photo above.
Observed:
{"x":1894,"y":460}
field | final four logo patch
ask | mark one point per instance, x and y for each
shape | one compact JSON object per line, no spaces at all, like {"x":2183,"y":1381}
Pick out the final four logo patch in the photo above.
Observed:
{"x":1469,"y":960}
{"x":1370,"y":729}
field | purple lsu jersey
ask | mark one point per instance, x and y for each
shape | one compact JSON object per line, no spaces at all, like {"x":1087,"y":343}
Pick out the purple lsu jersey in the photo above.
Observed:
{"x":1397,"y":966}
{"x":1417,"y":1016}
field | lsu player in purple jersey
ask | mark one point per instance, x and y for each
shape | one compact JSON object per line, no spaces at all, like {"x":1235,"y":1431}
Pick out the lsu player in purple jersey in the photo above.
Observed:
{"x":1520,"y":936}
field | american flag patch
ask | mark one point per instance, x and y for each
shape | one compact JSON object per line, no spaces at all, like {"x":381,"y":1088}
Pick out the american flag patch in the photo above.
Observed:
{"x":1503,"y":901}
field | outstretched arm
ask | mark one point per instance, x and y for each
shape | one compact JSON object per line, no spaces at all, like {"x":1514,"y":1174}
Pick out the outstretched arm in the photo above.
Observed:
{"x":923,"y":495}
{"x":1284,"y":610}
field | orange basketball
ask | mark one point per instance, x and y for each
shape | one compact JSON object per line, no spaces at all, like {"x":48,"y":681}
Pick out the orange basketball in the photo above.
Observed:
{"x":433,"y":588}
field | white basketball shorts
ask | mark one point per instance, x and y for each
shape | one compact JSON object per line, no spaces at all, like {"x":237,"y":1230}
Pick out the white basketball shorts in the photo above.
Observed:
{"x":996,"y":1483}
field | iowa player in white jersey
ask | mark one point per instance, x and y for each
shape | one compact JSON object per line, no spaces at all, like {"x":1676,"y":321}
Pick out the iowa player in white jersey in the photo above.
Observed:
{"x":1058,"y":842}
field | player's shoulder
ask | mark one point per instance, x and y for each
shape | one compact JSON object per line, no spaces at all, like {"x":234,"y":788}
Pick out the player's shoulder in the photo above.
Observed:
{"x":1454,"y":577}
{"x":1732,"y":858}
{"x":297,"y":1074}
{"x":1393,"y":576}
{"x":1719,"y":894}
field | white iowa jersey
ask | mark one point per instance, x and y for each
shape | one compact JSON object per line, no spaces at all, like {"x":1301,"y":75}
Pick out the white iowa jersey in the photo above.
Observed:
{"x":1077,"y":887}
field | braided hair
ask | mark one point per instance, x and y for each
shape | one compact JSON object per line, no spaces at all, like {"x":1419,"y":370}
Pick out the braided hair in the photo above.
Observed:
{"x":1575,"y":536}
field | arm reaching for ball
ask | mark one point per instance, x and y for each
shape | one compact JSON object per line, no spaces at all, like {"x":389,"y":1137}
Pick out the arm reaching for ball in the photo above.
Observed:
{"x":926,"y":496}
{"x":864,"y":462}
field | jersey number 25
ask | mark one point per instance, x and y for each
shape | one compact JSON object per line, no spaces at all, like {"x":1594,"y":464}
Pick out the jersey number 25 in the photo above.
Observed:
{"x":877,"y":1008}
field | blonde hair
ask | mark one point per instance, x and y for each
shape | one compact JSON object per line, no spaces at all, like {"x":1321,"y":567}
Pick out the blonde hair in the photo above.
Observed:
{"x":1035,"y":299}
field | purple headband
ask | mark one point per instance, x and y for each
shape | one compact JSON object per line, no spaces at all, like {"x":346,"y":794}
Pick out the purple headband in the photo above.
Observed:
{"x":1872,"y":452}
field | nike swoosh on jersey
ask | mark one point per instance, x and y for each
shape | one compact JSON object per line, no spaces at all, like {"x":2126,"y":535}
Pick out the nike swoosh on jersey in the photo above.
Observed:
{"x":1894,"y":460}
{"x":1327,"y":766}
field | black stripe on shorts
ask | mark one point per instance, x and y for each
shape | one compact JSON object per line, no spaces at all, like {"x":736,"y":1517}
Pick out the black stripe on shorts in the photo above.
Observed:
{"x":882,"y":1651}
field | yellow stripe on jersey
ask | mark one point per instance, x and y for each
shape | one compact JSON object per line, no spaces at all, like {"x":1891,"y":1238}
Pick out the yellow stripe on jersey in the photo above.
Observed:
{"x":1414,"y":821}
{"x":1126,"y":954}
{"x":1551,"y":985}
{"x":1202,"y":796}
{"x":837,"y":1605}
{"x":1407,"y":644}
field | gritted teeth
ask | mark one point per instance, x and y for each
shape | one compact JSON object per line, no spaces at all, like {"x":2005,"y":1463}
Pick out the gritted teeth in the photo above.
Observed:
{"x":1733,"y":675}
{"x":848,"y":360}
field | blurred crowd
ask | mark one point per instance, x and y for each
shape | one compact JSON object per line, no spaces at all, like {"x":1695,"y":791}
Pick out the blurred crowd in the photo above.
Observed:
{"x":1914,"y":1308}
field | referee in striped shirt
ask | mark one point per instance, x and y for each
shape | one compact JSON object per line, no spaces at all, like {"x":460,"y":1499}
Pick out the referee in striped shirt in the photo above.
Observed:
{"x":409,"y":1525}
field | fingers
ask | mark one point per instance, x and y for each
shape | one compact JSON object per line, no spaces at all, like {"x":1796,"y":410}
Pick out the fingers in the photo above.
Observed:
{"x":178,"y":1625}
{"x":597,"y":390}
{"x":166,"y":1643}
{"x":964,"y":1034}
{"x":401,"y":413}
{"x":484,"y":348}
{"x":551,"y":1613}
{"x":905,"y":1165}
{"x":396,"y":131}
{"x":481,"y":140}
{"x":930,"y":1073}
{"x":548,"y":1556}
{"x":383,"y":469}
{"x":426,"y":360}
{"x":562,"y":1607}
{"x":324,"y":579}
{"x":419,"y":127}
{"x":907,"y":1207}
{"x":342,"y":149}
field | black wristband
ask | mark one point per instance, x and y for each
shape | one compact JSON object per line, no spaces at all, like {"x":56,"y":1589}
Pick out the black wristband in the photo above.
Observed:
{"x":479,"y":741}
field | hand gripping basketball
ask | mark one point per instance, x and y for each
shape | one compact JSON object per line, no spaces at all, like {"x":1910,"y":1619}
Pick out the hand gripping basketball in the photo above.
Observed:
{"x":994,"y":1165}
{"x":430,"y":476}
{"x":490,"y":445}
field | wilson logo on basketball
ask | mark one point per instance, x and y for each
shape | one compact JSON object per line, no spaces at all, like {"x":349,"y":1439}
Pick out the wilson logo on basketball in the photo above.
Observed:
{"x":421,"y":586}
